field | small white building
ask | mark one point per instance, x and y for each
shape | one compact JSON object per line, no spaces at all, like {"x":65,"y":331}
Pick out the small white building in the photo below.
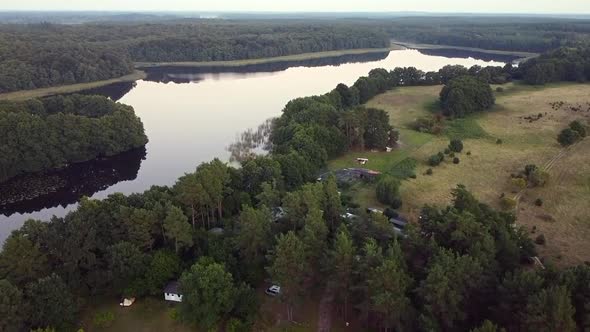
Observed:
{"x":172,"y":293}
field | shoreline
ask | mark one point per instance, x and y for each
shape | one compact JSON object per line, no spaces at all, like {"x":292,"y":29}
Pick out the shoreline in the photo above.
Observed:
{"x":258,"y":61}
{"x":70,"y":88}
{"x":139,"y":74}
{"x":523,"y":56}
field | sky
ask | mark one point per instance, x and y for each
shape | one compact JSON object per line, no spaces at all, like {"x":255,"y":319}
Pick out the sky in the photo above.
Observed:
{"x":471,"y":6}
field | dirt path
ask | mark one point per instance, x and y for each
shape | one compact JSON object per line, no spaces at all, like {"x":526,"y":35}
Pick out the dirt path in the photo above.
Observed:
{"x":325,"y":310}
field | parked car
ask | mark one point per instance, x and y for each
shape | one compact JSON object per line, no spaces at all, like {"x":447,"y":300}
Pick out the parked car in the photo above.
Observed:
{"x":273,"y":290}
{"x":349,"y":216}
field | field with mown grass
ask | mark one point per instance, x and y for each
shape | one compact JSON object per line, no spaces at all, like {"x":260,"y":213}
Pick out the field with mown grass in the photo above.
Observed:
{"x":500,"y":142}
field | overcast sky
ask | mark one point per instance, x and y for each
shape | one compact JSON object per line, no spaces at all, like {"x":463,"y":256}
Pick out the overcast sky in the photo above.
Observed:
{"x":481,"y":6}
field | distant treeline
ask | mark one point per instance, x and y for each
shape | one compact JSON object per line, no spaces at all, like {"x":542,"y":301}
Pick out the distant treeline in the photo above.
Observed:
{"x":41,"y":134}
{"x":43,"y":55}
{"x":497,"y":33}
{"x":564,"y":64}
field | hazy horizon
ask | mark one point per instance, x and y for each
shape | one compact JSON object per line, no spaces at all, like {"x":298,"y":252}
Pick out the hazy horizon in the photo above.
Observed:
{"x":309,"y":6}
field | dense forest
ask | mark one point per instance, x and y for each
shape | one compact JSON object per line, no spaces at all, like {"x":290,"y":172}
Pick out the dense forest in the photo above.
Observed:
{"x":41,"y":134}
{"x":42,"y":55}
{"x":530,"y":34}
{"x":563,"y":64}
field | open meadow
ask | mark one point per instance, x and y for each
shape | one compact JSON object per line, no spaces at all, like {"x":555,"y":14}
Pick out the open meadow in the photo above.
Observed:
{"x":520,"y":129}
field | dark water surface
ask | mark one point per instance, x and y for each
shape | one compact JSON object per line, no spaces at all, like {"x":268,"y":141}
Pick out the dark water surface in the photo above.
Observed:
{"x":192,"y":116}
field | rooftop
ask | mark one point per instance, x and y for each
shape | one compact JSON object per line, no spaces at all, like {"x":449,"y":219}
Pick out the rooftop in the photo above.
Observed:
{"x":172,"y":288}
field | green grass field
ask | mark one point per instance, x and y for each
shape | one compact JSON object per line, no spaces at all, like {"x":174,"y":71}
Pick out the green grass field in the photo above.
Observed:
{"x":486,"y":171}
{"x":145,"y":315}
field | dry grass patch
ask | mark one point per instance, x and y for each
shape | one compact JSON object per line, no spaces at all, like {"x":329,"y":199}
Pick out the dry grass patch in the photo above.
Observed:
{"x":564,"y":218}
{"x":527,"y":138}
{"x":406,"y":104}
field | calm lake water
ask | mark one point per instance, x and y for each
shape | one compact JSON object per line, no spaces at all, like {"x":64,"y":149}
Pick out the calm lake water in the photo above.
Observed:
{"x":192,"y":115}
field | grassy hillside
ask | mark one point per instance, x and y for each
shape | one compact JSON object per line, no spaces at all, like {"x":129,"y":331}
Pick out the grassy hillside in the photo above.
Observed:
{"x":564,"y":218}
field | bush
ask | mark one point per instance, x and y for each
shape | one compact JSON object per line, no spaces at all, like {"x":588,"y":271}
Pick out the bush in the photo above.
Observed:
{"x":173,"y":314}
{"x":388,"y":190}
{"x":507,"y":203}
{"x":468,"y":153}
{"x":540,"y":240}
{"x":429,"y":171}
{"x":499,"y":89}
{"x":568,"y":137}
{"x":456,"y":145}
{"x":539,"y":202}
{"x":456,"y":161}
{"x":538,"y":178}
{"x":447,"y":151}
{"x":529,"y":169}
{"x":499,"y":141}
{"x":396,"y":203}
{"x":436,"y":159}
{"x":104,"y":319}
{"x":579,"y":128}
{"x":520,"y":183}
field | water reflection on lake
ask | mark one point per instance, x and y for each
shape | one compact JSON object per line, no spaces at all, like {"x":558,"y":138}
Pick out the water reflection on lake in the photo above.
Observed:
{"x":189,"y":123}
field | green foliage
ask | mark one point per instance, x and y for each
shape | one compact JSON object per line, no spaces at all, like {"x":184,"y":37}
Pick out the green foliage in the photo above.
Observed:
{"x":50,"y":55}
{"x":538,"y":178}
{"x":289,"y":268}
{"x":126,"y":263}
{"x":177,"y":228}
{"x":255,"y":237}
{"x":562,"y":64}
{"x":550,"y":310}
{"x":44,"y":134}
{"x":488,"y":326}
{"x":519,"y":182}
{"x":388,"y":190}
{"x":208,"y":293}
{"x":404,"y":169}
{"x":314,"y":237}
{"x":448,"y":290}
{"x":507,"y":203}
{"x":11,"y":307}
{"x":21,"y":260}
{"x":163,"y":267}
{"x":456,"y":145}
{"x":579,"y":128}
{"x":465,"y":128}
{"x":53,"y":302}
{"x":341,"y":264}
{"x":540,"y":240}
{"x":464,"y":95}
{"x":568,"y":137}
{"x":456,"y":161}
{"x":389,"y":296}
{"x":103,"y":319}
{"x":436,"y":159}
{"x":539,"y":202}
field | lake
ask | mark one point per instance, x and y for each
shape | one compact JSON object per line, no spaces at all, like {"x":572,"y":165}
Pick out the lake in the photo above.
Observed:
{"x":191,"y":115}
